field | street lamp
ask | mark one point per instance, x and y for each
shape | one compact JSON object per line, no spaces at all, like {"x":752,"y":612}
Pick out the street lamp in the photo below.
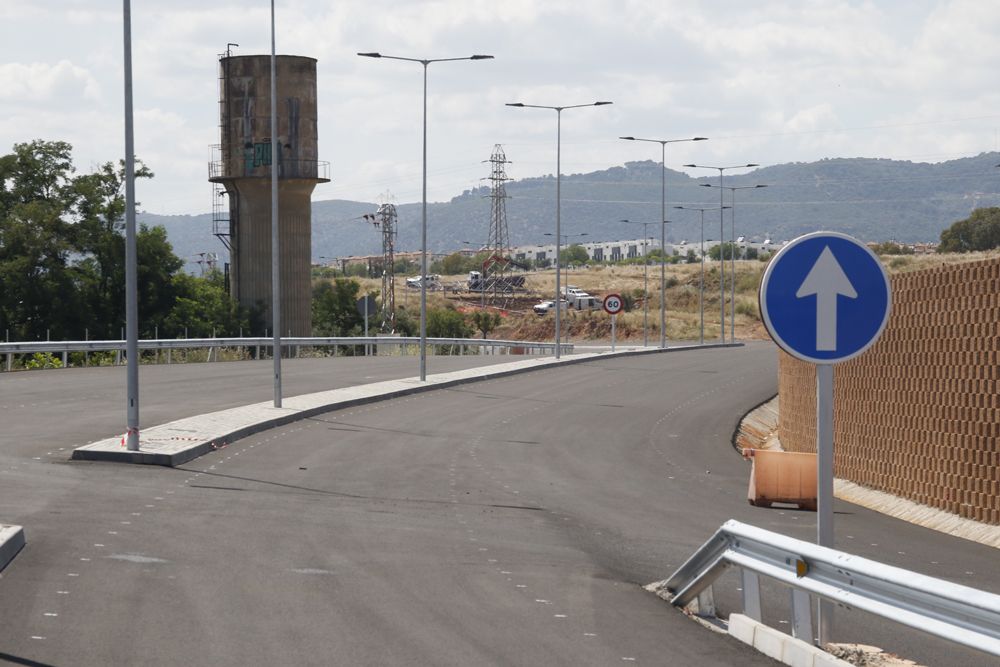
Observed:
{"x":722,"y":264}
{"x":663,"y":216}
{"x":558,"y":110}
{"x":645,"y":280}
{"x":701,"y":295}
{"x":423,"y":218}
{"x":732,"y":252}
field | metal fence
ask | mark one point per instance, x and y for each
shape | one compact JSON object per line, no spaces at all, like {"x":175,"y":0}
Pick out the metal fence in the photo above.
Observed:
{"x":950,"y":611}
{"x":292,"y":347}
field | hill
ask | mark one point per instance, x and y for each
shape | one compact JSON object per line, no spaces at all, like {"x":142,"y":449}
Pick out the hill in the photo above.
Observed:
{"x":872,"y":199}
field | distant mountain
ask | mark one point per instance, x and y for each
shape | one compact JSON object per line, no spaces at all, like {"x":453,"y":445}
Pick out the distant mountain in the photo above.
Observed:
{"x":871,"y":199}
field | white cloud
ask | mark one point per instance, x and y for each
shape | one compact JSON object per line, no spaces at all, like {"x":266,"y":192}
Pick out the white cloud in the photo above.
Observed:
{"x":772,"y":81}
{"x":41,"y":82}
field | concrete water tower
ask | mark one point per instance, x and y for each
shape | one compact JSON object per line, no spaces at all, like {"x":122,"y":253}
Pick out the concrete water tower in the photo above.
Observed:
{"x":240,"y":170}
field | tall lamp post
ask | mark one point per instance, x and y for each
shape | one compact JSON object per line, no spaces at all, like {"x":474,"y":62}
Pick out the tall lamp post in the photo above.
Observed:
{"x":663,"y":216}
{"x":131,"y":270}
{"x":722,"y":263}
{"x":558,"y":110}
{"x":732,"y":251}
{"x":701,"y":295}
{"x":645,"y":280}
{"x":423,"y":216}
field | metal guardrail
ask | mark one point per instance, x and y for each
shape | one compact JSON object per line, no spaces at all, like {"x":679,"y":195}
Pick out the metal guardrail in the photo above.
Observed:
{"x":946,"y":610}
{"x":65,"y":347}
{"x":287,"y":168}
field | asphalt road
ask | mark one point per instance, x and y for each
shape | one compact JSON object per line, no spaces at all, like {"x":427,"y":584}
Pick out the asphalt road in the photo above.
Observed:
{"x":512,"y":521}
{"x":72,"y":407}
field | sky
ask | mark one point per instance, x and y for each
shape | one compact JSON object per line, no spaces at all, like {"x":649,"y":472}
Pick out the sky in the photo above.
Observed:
{"x":767,"y":82}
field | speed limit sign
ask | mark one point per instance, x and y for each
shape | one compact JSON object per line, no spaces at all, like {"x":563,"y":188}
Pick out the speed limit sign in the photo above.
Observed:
{"x":613,"y":304}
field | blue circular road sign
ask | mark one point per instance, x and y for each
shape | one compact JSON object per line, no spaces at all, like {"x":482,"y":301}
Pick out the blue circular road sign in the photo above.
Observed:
{"x":825,"y":298}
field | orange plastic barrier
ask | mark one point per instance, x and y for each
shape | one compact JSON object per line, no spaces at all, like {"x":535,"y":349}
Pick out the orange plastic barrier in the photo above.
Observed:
{"x":782,"y":477}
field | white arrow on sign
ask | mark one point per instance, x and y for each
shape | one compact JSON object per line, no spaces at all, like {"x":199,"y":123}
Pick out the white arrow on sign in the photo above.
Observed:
{"x":826,"y":280}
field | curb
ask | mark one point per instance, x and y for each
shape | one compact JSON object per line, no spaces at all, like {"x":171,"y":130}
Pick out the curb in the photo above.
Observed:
{"x":11,"y":542}
{"x":109,"y":449}
{"x":776,"y":644}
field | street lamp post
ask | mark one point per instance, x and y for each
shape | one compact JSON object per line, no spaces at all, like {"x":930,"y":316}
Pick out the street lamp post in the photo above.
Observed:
{"x":558,"y":110}
{"x":722,"y":263}
{"x":701,"y":296}
{"x":663,"y":216}
{"x":732,"y":251}
{"x":131,"y":262}
{"x":645,"y":281}
{"x":423,"y":216}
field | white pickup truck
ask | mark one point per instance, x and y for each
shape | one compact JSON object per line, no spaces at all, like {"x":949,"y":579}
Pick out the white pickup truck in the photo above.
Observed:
{"x":433,"y":281}
{"x":545,"y":306}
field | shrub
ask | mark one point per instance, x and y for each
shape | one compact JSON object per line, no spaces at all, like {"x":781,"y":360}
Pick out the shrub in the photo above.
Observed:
{"x":40,"y":360}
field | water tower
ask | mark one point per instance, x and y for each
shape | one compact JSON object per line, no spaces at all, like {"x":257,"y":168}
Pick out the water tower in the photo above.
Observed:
{"x":240,"y":171}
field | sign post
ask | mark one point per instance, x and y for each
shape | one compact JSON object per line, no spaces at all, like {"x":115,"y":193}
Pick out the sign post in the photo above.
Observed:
{"x":613,"y":305}
{"x":825,"y":298}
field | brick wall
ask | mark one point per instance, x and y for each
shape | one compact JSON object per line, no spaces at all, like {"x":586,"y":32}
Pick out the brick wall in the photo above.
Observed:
{"x":918,"y":414}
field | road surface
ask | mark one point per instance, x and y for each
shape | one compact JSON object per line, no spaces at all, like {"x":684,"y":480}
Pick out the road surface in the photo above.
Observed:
{"x":512,"y":521}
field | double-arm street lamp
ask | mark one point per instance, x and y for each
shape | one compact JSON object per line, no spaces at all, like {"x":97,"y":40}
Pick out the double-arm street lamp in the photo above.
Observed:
{"x":722,"y":264}
{"x":663,"y":216}
{"x":732,"y":251}
{"x":423,"y":219}
{"x":701,"y":295}
{"x":558,"y":111}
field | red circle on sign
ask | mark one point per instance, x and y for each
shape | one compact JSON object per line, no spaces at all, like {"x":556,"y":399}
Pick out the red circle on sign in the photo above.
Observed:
{"x":613,"y":304}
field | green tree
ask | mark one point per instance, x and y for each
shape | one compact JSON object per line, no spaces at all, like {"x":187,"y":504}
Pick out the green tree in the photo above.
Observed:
{"x":62,"y":256}
{"x":200,"y":308}
{"x":406,"y":325}
{"x":485,"y":321}
{"x":574,"y":254}
{"x":406,"y":267}
{"x":334,"y":308}
{"x":38,"y":281}
{"x":728,"y":249}
{"x":691,"y":257}
{"x":750,"y":253}
{"x":99,"y":227}
{"x":980,"y":231}
{"x":447,"y":323}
